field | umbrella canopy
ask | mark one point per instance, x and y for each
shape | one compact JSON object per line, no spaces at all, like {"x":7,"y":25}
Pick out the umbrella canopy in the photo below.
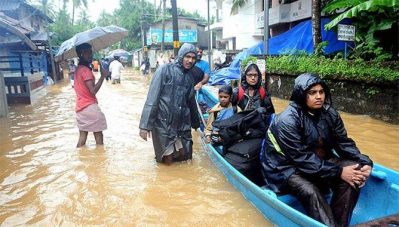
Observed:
{"x":98,"y":37}
{"x":119,"y":52}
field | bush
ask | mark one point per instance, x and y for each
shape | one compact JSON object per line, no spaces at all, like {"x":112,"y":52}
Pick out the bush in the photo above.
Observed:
{"x":356,"y":70}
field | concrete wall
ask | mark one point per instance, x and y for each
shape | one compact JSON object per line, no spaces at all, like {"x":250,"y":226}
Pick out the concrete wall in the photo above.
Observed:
{"x":377,"y":100}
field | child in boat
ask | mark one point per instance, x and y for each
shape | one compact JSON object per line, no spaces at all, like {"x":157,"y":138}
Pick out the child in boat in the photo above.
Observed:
{"x":222,"y":110}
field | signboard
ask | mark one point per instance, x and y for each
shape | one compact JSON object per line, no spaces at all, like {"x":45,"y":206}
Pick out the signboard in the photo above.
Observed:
{"x":346,"y":32}
{"x":261,"y":63}
{"x":176,"y":44}
{"x":185,"y":36}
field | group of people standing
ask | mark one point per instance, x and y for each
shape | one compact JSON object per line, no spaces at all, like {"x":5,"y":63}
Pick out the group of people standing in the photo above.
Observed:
{"x":307,"y":151}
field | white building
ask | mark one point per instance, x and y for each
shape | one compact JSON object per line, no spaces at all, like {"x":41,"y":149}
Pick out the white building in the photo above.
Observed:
{"x":243,"y":28}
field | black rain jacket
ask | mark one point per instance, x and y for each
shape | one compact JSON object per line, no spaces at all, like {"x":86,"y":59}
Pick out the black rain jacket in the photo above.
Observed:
{"x":170,"y":110}
{"x":256,"y":99}
{"x":297,"y":133}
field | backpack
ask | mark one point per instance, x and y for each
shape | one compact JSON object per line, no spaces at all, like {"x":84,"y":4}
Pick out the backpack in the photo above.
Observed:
{"x":261,"y":90}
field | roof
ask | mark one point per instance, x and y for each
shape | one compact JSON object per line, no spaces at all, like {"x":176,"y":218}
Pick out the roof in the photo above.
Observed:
{"x":16,"y":23}
{"x":16,"y":29}
{"x":12,"y":5}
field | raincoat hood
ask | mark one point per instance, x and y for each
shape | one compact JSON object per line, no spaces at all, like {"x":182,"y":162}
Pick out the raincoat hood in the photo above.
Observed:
{"x":244,"y":79}
{"x":185,"y":49}
{"x":303,"y":83}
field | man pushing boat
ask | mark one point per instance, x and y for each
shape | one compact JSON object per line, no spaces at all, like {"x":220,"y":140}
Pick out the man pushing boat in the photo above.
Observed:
{"x":170,"y":110}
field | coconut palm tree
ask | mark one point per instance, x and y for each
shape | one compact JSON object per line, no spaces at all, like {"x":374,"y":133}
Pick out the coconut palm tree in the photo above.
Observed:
{"x":237,"y":4}
{"x":76,"y":4}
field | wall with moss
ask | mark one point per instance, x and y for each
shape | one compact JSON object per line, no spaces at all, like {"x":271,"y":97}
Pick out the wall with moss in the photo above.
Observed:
{"x":380,"y":101}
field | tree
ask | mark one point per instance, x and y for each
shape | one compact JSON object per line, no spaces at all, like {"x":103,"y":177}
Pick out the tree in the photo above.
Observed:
{"x":61,"y":27}
{"x":316,"y":20}
{"x":105,"y":19}
{"x":83,"y":23}
{"x":237,"y":4}
{"x":373,"y":20}
{"x":76,"y":4}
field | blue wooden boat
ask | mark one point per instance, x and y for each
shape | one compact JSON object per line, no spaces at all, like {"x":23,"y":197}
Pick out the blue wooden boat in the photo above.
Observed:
{"x":378,"y":202}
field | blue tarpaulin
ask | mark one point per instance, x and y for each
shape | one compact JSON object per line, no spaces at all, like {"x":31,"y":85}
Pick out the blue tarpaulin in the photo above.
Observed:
{"x":297,"y":38}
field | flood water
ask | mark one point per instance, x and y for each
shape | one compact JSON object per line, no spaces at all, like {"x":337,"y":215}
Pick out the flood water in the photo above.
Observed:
{"x":45,"y":180}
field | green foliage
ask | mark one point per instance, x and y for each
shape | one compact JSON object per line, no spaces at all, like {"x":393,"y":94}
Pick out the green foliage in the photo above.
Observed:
{"x":336,"y":68}
{"x":320,"y":49}
{"x":105,"y":19}
{"x":63,"y":29}
{"x":130,"y":14}
{"x":369,"y":17}
{"x":247,"y":60}
{"x":357,"y":7}
{"x":371,"y":91}
{"x":237,"y":4}
{"x":369,"y":51}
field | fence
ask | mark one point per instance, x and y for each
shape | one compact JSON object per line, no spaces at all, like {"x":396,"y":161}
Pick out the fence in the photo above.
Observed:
{"x":23,"y":73}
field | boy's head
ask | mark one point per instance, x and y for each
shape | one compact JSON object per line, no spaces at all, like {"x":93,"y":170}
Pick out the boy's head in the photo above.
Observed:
{"x":225,"y":93}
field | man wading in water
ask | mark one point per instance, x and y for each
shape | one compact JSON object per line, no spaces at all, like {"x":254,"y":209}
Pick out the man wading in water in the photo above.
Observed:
{"x":170,"y":110}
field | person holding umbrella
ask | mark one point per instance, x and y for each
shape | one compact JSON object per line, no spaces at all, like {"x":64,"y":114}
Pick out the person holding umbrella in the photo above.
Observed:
{"x":88,"y":114}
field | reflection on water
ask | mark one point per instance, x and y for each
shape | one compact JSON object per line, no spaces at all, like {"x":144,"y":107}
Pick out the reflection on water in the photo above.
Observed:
{"x":46,"y":181}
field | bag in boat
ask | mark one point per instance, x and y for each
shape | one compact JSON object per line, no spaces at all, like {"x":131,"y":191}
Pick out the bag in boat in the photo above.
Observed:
{"x":243,"y":125}
{"x":244,"y":156}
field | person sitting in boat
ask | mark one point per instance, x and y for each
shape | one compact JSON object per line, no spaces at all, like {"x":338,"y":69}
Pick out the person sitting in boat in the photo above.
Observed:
{"x":222,"y":110}
{"x":308,"y":153}
{"x":250,"y":94}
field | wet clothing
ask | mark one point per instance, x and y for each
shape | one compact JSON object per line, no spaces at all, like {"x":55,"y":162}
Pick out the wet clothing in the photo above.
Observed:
{"x":91,"y":119}
{"x":198,"y":75}
{"x":115,"y":68}
{"x":84,"y":97}
{"x":300,"y":143}
{"x":248,"y":102}
{"x":312,"y":192}
{"x":170,"y":110}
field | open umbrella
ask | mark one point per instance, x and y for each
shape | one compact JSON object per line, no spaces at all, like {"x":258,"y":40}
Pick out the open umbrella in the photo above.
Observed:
{"x":119,"y":52}
{"x":98,"y":37}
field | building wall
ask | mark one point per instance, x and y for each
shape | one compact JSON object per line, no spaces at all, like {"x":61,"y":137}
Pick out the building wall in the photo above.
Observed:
{"x":202,"y":37}
{"x":246,"y":25}
{"x":241,"y":25}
